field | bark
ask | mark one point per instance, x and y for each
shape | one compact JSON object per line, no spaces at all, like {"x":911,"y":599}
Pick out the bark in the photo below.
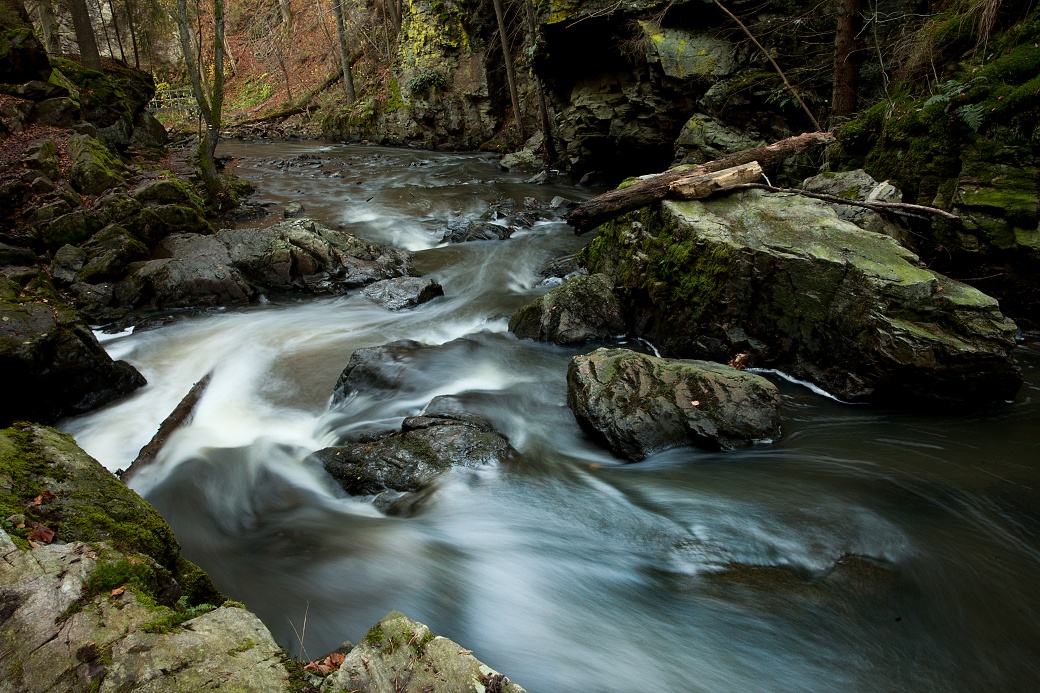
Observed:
{"x":119,"y":34}
{"x":593,"y":212}
{"x":543,"y":105}
{"x":697,"y":187}
{"x":48,"y":26}
{"x":510,"y":72}
{"x":85,"y":39}
{"x":133,"y":32}
{"x":344,"y":51}
{"x":209,"y":106}
{"x":177,"y":418}
{"x":394,"y":12}
{"x":104,"y":28}
{"x":287,"y":17}
{"x":847,"y":60}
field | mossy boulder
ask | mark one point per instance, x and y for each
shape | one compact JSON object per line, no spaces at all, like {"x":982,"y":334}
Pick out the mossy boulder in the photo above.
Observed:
{"x":51,"y":362}
{"x":94,"y":168}
{"x":406,"y":653}
{"x":110,"y":605}
{"x":786,"y":281}
{"x":582,"y":309}
{"x":639,"y":404}
{"x":22,"y":57}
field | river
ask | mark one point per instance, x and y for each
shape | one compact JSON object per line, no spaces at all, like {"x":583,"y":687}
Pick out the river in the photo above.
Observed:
{"x":568,"y":570}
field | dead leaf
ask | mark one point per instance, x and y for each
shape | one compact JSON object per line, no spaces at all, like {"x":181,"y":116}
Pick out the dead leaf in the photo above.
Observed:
{"x":33,"y":544}
{"x":119,"y":590}
{"x":465,"y":651}
{"x":42,"y":533}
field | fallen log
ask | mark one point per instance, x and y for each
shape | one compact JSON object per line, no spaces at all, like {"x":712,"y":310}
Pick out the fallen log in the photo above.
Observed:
{"x":704,"y":185}
{"x":177,"y":418}
{"x":292,"y":109}
{"x":593,"y":212}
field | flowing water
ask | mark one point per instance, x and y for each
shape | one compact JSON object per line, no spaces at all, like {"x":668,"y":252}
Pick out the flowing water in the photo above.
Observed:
{"x":568,"y":570}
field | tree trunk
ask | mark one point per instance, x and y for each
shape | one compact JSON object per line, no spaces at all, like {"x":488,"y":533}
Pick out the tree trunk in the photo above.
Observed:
{"x":48,"y":26}
{"x":847,"y":60}
{"x":85,"y":40}
{"x":115,"y":27}
{"x":104,"y":28}
{"x":133,"y":32}
{"x":344,"y":52}
{"x":593,"y":212}
{"x":394,"y":12}
{"x":283,"y":7}
{"x":697,"y":187}
{"x":210,"y":107}
{"x":543,"y":106}
{"x":510,"y":73}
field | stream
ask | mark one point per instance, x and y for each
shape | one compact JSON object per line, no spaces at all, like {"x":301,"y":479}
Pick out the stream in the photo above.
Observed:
{"x":568,"y":570}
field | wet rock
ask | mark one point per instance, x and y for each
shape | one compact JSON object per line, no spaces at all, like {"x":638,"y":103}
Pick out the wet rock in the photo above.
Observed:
{"x":404,"y":651}
{"x":464,"y":231}
{"x":196,"y":272}
{"x":563,"y":267}
{"x":425,"y":447}
{"x":785,"y":280}
{"x":304,"y":254}
{"x":52,"y":364}
{"x":375,"y":370}
{"x":402,"y":292}
{"x":523,"y":161}
{"x":639,"y":404}
{"x":108,"y":253}
{"x":583,"y":309}
{"x":293,"y":209}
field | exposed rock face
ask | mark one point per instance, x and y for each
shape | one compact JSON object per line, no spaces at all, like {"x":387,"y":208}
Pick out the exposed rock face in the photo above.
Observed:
{"x":583,"y":309}
{"x":402,"y":292}
{"x":52,"y":364}
{"x":425,"y":447}
{"x":639,"y":404}
{"x":782,"y":278}
{"x":399,"y":654}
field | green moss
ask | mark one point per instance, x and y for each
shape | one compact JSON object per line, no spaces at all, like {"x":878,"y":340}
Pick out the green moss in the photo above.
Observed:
{"x":171,"y":619}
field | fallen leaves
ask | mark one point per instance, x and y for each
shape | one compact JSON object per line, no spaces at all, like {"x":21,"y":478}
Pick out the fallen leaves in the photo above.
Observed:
{"x":46,"y":495}
{"x":118,"y":590}
{"x":739,"y":361}
{"x":41,"y":534}
{"x":327,"y":665}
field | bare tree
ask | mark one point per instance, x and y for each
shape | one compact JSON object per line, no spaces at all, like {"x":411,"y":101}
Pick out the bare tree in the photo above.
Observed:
{"x":209,"y":96}
{"x":510,"y":72}
{"x":48,"y":26}
{"x":85,"y":39}
{"x":344,"y":51}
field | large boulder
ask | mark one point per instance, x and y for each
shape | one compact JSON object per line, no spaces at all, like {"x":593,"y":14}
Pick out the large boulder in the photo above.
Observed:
{"x":783,"y":279}
{"x":426,"y":446}
{"x":94,"y":169}
{"x":400,"y":654}
{"x":639,"y":404}
{"x":94,"y":594}
{"x":304,"y":254}
{"x":52,"y":365}
{"x":582,"y":309}
{"x":22,"y":57}
{"x":196,"y":272}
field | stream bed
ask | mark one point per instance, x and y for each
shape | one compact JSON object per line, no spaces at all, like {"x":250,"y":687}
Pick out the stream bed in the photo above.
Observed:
{"x":568,"y":570}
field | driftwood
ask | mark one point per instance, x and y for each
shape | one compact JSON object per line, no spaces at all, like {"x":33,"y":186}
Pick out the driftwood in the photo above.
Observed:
{"x":591,"y":213}
{"x":177,"y":418}
{"x":707,"y":184}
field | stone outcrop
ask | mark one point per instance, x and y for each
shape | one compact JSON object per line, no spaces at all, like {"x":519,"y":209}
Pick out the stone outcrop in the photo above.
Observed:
{"x":399,"y":654}
{"x":51,"y":362}
{"x":639,"y":404}
{"x":582,"y":309}
{"x":402,"y":292}
{"x":783,"y":279}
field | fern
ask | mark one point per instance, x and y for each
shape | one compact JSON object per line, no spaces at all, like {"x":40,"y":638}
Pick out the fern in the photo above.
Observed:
{"x":972,"y":115}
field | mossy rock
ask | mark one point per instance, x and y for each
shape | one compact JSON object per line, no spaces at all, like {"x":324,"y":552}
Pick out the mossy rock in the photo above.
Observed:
{"x":50,"y":480}
{"x":582,"y":309}
{"x":94,"y":168}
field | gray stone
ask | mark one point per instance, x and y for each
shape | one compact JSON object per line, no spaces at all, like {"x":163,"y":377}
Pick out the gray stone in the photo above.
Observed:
{"x":402,"y":292}
{"x":68,"y":260}
{"x":402,"y":655}
{"x":813,"y":295}
{"x":60,"y":111}
{"x":523,"y":161}
{"x":94,"y":169}
{"x":704,"y":138}
{"x":584,"y":308}
{"x":640,"y":404}
{"x":464,"y":231}
{"x":858,"y":185}
{"x":293,"y":209}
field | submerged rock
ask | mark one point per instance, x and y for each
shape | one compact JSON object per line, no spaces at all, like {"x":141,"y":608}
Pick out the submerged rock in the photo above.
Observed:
{"x":405,"y":652}
{"x":639,"y":404}
{"x":783,"y":279}
{"x":402,"y":292}
{"x":424,"y":447}
{"x":582,"y":309}
{"x":464,"y":231}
